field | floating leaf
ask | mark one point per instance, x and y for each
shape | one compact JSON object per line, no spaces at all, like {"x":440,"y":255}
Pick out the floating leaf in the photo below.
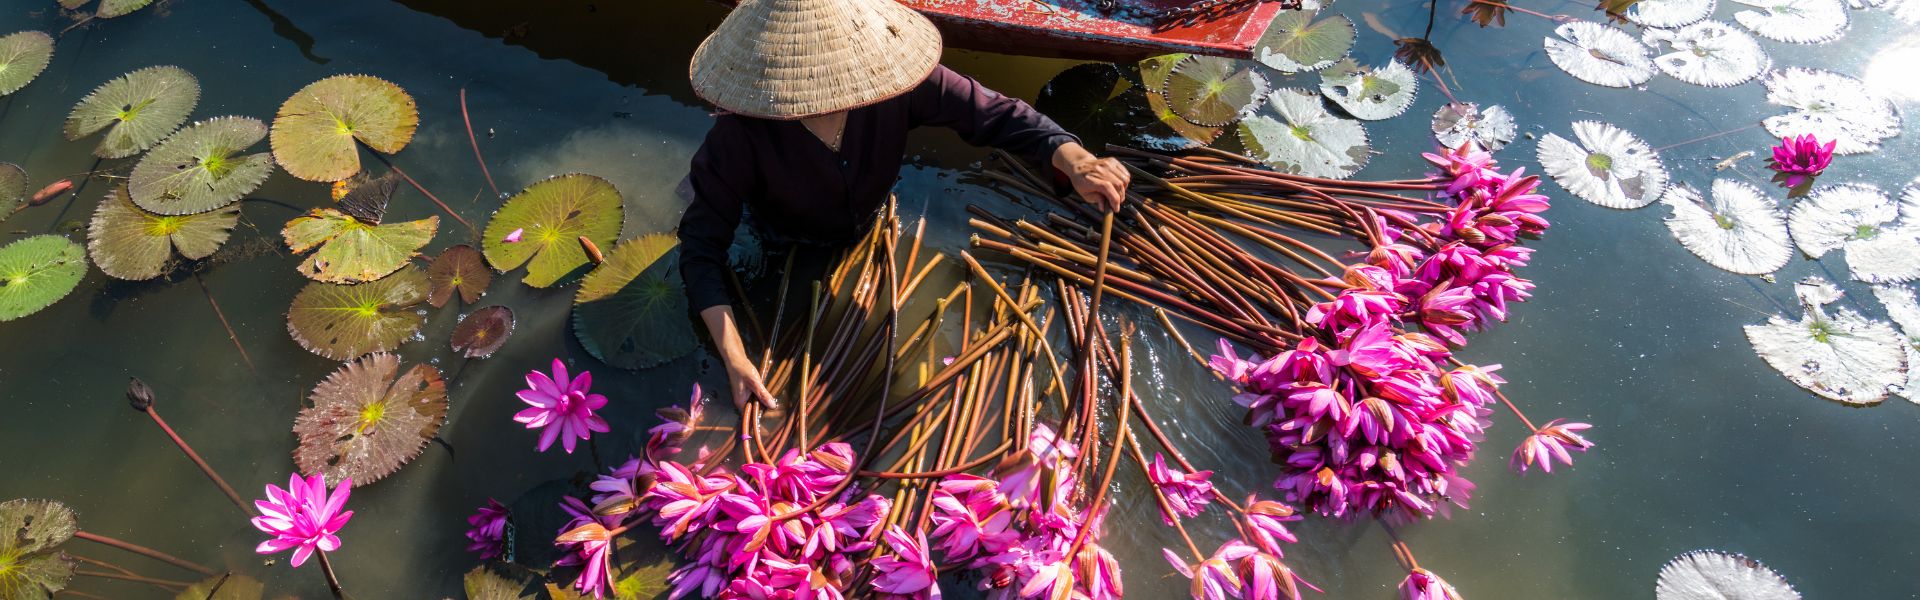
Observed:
{"x":1709,"y":53}
{"x":227,"y":586}
{"x":13,"y":189}
{"x":1795,"y":21}
{"x":141,"y":108}
{"x":1169,"y":132}
{"x":342,"y":322}
{"x":1844,"y":357}
{"x":130,"y":243}
{"x":36,"y":272}
{"x":1600,"y":55}
{"x":1295,"y":42}
{"x":367,"y":420}
{"x":631,"y":311}
{"x":481,"y":333}
{"x":1609,"y":166}
{"x":1096,"y":100}
{"x":30,"y":566}
{"x":199,"y":168}
{"x":1830,"y":106}
{"x":119,"y":8}
{"x":1370,"y":94}
{"x":1907,"y":11}
{"x":1670,"y":13}
{"x":352,"y":251}
{"x":1213,"y":92}
{"x":1461,"y":122}
{"x":1294,"y":133}
{"x":552,"y":216}
{"x":459,"y":268}
{"x":1738,"y":229}
{"x":314,"y":133}
{"x":505,"y":581}
{"x":1715,"y":575}
{"x":1905,"y":312}
{"x":1881,"y":237}
{"x":23,"y":56}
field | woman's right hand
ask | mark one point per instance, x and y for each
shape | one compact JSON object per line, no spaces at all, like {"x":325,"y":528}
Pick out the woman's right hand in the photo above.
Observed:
{"x":744,"y":379}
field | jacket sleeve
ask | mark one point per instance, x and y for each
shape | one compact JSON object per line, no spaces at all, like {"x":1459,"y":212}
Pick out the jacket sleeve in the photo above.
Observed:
{"x":723,"y":177}
{"x":984,"y":117}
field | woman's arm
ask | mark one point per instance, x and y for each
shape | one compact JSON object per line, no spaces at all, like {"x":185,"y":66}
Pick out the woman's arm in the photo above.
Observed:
{"x":743,"y":377}
{"x":1102,"y":182}
{"x":723,"y":176}
{"x":984,"y":117}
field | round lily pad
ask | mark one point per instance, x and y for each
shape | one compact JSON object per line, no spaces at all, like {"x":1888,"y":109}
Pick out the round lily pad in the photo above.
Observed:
{"x":1294,"y":133}
{"x":1904,"y":309}
{"x":481,"y":333}
{"x":314,"y":133}
{"x":31,"y":568}
{"x":1599,"y":54}
{"x":368,"y":419}
{"x":1708,"y":53}
{"x":201,"y":167}
{"x":459,"y":268}
{"x":631,"y":311}
{"x":1670,"y":13}
{"x":1738,"y":228}
{"x":1715,"y":575}
{"x":1370,"y":93}
{"x":1461,"y":122}
{"x":352,"y":251}
{"x":130,"y":243}
{"x":1844,"y":357}
{"x":137,"y":109}
{"x":1609,"y":167}
{"x":1295,"y":42}
{"x":1214,"y":92}
{"x":1795,"y":21}
{"x":551,"y":216}
{"x":13,"y":189}
{"x":342,"y":322}
{"x":1830,"y":106}
{"x":504,"y":581}
{"x":1098,"y":101}
{"x":119,"y":8}
{"x":1169,"y":131}
{"x":36,"y":272}
{"x":226,"y":586}
{"x":1881,"y":236}
{"x":23,"y":56}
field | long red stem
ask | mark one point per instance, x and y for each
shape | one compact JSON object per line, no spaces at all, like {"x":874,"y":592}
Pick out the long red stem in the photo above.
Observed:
{"x":475,"y":142}
{"x":154,"y":413}
{"x":145,"y":551}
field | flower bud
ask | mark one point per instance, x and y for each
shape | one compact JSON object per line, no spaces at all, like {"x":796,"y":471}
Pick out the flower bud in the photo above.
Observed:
{"x":139,"y":395}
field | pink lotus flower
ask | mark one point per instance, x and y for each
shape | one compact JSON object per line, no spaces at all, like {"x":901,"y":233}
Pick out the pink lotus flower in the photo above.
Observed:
{"x":488,"y":537}
{"x":1268,"y":520}
{"x":562,"y":406}
{"x":302,"y":517}
{"x":1548,"y":444}
{"x":908,"y":573}
{"x":513,"y":237}
{"x":1186,"y":493}
{"x":1264,"y":577}
{"x":589,"y":545}
{"x":1214,"y":578}
{"x":1800,"y":159}
{"x":1422,"y":584}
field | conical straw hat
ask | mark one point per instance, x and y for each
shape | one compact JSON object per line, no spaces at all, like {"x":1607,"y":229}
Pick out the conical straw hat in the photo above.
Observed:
{"x":790,"y":59}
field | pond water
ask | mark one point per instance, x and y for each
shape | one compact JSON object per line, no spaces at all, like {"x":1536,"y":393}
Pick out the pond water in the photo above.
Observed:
{"x":1701,"y":445}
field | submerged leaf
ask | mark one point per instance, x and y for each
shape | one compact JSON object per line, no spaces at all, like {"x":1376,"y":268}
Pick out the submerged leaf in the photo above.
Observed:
{"x":1795,"y":21}
{"x":459,"y":268}
{"x":1738,"y":229}
{"x":141,"y":108}
{"x":314,"y":133}
{"x":1715,"y":575}
{"x":481,"y":333}
{"x":367,"y":420}
{"x":1458,"y":123}
{"x":226,"y":586}
{"x":1295,"y":42}
{"x":366,"y":198}
{"x":342,"y":322}
{"x":13,"y":189}
{"x":1905,"y":312}
{"x":1295,"y":134}
{"x":1097,"y":101}
{"x":130,"y":243}
{"x":31,"y":568}
{"x":1709,"y":53}
{"x":1881,"y":237}
{"x":1670,"y":13}
{"x":631,"y":311}
{"x":23,"y":56}
{"x":36,"y":272}
{"x":1487,"y":13}
{"x":200,"y":168}
{"x":1599,"y":55}
{"x":1214,"y":92}
{"x":1830,"y":106}
{"x":552,"y":216}
{"x":1372,"y":93}
{"x":1609,"y":166}
{"x":352,"y":251}
{"x":1418,"y":52}
{"x":1844,"y":357}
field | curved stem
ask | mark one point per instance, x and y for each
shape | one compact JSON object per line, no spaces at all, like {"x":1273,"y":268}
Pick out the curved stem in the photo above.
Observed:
{"x":475,"y":142}
{"x":145,"y":551}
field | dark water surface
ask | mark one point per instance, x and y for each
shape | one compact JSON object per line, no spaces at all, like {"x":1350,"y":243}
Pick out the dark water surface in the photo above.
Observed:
{"x":1701,"y":445}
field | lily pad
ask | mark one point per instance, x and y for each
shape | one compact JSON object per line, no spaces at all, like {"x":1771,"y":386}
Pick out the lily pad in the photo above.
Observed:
{"x":1096,"y":100}
{"x":1795,"y":21}
{"x":342,"y":322}
{"x":504,"y":582}
{"x":1609,"y":166}
{"x":1295,"y":42}
{"x":459,"y":268}
{"x":31,"y":568}
{"x":1599,"y":54}
{"x":631,"y":311}
{"x":368,"y":419}
{"x":1294,"y":133}
{"x":315,"y":132}
{"x":1830,"y":106}
{"x":137,"y":109}
{"x":1881,"y":237}
{"x":1169,"y":131}
{"x":481,"y":333}
{"x":200,"y":168}
{"x":1214,"y":92}
{"x":366,"y":199}
{"x":23,"y":55}
{"x":36,"y":272}
{"x":130,"y":243}
{"x":1461,"y":122}
{"x":1709,"y":53}
{"x":1715,"y":575}
{"x":228,"y":586}
{"x":1738,"y":229}
{"x":552,"y":215}
{"x":120,"y":8}
{"x":1905,"y":312}
{"x":352,"y":251}
{"x":13,"y":189}
{"x":1373,"y":93}
{"x":1670,"y":13}
{"x":1844,"y":357}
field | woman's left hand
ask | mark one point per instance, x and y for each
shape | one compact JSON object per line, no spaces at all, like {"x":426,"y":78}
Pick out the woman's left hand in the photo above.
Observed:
{"x":1102,"y":182}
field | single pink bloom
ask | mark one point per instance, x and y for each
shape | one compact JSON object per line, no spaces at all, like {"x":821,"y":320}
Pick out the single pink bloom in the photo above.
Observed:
{"x":488,"y":537}
{"x":1214,"y":578}
{"x":1548,"y":444}
{"x":302,"y":517}
{"x":1264,"y":577}
{"x":1800,"y":159}
{"x":909,"y":571}
{"x":593,"y":553}
{"x":1422,"y":584}
{"x":562,"y":407}
{"x":1186,"y":493}
{"x":513,"y":237}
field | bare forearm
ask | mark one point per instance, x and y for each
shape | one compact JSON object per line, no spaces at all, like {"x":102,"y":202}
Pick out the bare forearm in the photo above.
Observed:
{"x":726,"y":335}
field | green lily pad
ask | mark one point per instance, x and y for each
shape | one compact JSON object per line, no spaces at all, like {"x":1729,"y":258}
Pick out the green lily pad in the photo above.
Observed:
{"x":228,"y":586}
{"x":200,"y":168}
{"x":36,"y":272}
{"x":459,"y":268}
{"x":137,"y":109}
{"x":505,"y":581}
{"x":342,"y":322}
{"x":1170,"y":132}
{"x":130,"y":243}
{"x":631,"y":311}
{"x":30,"y":566}
{"x":23,"y":56}
{"x":481,"y":333}
{"x":314,"y":133}
{"x":352,"y":251}
{"x":1214,"y":92}
{"x":1295,"y":42}
{"x":119,"y":8}
{"x":552,"y":215}
{"x":13,"y":189}
{"x":368,"y":419}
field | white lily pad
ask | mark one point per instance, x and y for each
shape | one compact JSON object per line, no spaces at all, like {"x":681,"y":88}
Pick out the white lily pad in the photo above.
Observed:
{"x":1461,"y":122}
{"x":1670,"y":13}
{"x":1881,"y":237}
{"x":1715,"y":575}
{"x":1844,"y":357}
{"x":1370,"y":93}
{"x":1295,"y":42}
{"x":1738,"y":229}
{"x":1708,"y":53}
{"x":1830,"y":106}
{"x":1907,"y":11}
{"x":1599,"y":54}
{"x":1609,"y":167}
{"x":1795,"y":21}
{"x":1905,"y":312}
{"x":1294,"y":133}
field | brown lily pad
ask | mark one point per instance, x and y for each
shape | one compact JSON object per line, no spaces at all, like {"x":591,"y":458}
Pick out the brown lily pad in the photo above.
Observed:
{"x":459,"y":268}
{"x":482,"y":333}
{"x":368,"y":419}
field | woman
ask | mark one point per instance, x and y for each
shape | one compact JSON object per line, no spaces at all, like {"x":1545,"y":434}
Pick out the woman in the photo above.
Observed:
{"x":817,"y":97}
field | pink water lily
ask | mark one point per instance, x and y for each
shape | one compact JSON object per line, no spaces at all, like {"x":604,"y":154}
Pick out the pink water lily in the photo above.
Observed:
{"x":589,"y":545}
{"x":488,"y":535}
{"x":562,"y":407}
{"x":1800,"y":159}
{"x":1213,"y":578}
{"x":1186,"y":493}
{"x":303,"y":517}
{"x":1422,"y":584}
{"x":1548,"y":444}
{"x":909,"y":572}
